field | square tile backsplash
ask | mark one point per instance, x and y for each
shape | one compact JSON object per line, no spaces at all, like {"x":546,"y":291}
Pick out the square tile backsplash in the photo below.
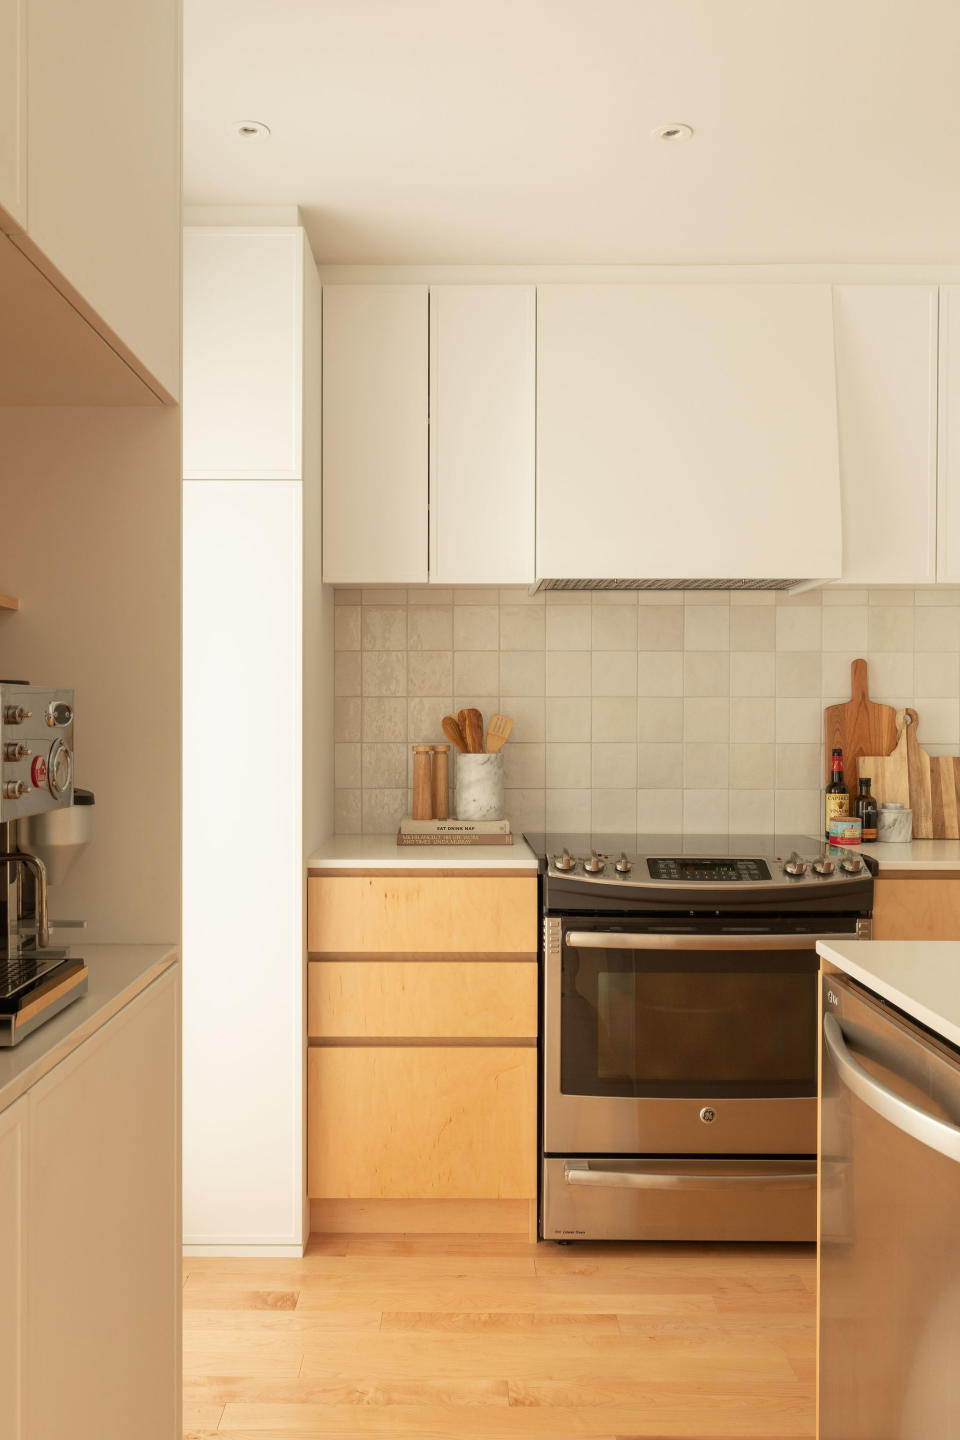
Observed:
{"x":694,"y":711}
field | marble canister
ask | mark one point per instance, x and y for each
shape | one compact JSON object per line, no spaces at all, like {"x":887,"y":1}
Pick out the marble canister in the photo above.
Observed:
{"x":480,"y":787}
{"x":894,"y":824}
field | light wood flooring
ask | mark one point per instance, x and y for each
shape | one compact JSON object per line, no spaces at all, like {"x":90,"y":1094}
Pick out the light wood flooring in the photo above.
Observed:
{"x":451,"y":1338}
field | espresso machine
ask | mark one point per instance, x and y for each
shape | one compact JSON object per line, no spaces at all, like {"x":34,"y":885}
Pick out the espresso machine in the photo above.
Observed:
{"x":42,"y":830}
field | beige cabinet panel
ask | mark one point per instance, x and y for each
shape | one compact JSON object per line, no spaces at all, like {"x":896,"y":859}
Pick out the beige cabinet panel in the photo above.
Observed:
{"x":13,"y":113}
{"x":377,"y":914}
{"x":422,"y":1122}
{"x":948,"y":486}
{"x":426,"y":998}
{"x":12,"y":1250}
{"x":103,"y":1340}
{"x":926,"y":907}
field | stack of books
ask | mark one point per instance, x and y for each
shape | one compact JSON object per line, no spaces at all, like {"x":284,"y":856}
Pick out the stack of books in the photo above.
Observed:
{"x":454,"y":832}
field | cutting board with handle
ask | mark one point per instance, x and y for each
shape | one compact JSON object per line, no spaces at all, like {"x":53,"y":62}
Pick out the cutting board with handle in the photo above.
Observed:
{"x":859,"y":727}
{"x":929,"y":784}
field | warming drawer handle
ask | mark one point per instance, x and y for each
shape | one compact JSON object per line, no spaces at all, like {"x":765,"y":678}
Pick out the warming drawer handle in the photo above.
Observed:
{"x":579,"y":1173}
{"x":619,"y":940}
{"x":919,"y":1124}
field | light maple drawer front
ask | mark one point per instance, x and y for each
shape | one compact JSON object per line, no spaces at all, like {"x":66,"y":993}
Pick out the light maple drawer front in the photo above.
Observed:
{"x":451,"y":999}
{"x":422,"y":1122}
{"x":377,"y":914}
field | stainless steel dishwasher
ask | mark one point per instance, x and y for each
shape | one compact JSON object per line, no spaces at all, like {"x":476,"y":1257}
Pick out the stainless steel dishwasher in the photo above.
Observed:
{"x":889,"y":1224}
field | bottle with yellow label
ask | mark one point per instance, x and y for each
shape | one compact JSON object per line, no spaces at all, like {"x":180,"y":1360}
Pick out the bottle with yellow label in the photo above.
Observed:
{"x":837,"y":797}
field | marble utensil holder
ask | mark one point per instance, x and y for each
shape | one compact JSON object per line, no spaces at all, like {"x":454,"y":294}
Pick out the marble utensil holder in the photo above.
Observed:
{"x":894,"y":824}
{"x":480,"y":787}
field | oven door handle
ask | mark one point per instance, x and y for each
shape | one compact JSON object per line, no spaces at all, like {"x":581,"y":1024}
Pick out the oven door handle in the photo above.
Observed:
{"x":803,"y":1176}
{"x":620,"y":940}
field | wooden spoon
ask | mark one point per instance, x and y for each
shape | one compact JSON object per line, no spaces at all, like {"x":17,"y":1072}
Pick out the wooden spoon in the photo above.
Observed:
{"x":471,"y":728}
{"x":498,"y":732}
{"x":454,"y":734}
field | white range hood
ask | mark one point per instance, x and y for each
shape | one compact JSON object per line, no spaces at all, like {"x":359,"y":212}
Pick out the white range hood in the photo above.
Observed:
{"x":687,"y":437}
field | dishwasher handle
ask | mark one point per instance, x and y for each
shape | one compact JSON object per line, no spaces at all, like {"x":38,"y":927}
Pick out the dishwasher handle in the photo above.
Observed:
{"x":919,"y":1124}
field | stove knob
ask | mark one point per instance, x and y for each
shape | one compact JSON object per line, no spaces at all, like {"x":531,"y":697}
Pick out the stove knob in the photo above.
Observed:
{"x":824,"y":867}
{"x":852,"y":864}
{"x":594,"y":865}
{"x":15,"y":714}
{"x":624,"y":866}
{"x":795,"y":866}
{"x":13,"y":789}
{"x":13,"y":750}
{"x":564,"y":861}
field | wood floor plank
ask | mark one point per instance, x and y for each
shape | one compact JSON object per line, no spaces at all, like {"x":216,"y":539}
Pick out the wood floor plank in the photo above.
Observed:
{"x":499,"y":1321}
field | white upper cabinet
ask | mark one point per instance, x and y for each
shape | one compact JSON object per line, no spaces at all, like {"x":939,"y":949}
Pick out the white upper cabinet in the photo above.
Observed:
{"x":375,"y":400}
{"x":482,"y":434}
{"x":686,"y":431}
{"x":948,"y":558}
{"x":243,"y":352}
{"x":13,"y":112}
{"x":886,"y":338}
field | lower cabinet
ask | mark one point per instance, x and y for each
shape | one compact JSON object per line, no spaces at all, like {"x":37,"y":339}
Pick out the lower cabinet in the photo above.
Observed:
{"x":917,"y":906}
{"x":13,"y":1185}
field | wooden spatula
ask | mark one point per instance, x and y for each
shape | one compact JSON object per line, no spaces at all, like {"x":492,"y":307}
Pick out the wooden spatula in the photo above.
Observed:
{"x":498,"y":732}
{"x":471,"y":728}
{"x":454,"y":734}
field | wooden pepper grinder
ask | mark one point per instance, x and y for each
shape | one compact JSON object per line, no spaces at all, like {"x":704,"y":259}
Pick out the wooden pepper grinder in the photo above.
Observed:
{"x":422,"y":802}
{"x":441,"y":782}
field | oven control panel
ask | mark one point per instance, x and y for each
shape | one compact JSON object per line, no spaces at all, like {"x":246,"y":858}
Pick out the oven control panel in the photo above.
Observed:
{"x":693,"y":870}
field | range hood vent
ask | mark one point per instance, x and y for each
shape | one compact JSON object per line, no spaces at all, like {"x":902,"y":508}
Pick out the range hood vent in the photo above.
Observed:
{"x":777,"y":584}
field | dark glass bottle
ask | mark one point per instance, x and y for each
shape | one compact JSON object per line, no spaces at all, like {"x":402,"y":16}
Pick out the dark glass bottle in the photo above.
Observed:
{"x":865,"y":806}
{"x":837,"y":799}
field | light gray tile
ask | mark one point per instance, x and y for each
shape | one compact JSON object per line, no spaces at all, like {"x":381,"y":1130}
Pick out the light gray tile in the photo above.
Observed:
{"x":706,"y":812}
{"x":526,"y":810}
{"x":889,"y":629}
{"x":568,"y":719}
{"x":803,"y":600}
{"x":660,"y":811}
{"x":706,"y":719}
{"x":567,"y":671}
{"x":623,"y":598}
{"x":799,"y":722}
{"x":346,"y":765}
{"x":845,"y":628}
{"x":614,"y":672}
{"x":659,"y":597}
{"x":660,"y":627}
{"x":384,"y":672}
{"x":477,"y":671}
{"x":568,"y":765}
{"x":522,"y":627}
{"x":346,"y":673}
{"x":939,"y":721}
{"x":660,"y":719}
{"x":707,"y":597}
{"x":520,"y":595}
{"x":797,"y":812}
{"x":430,"y":627}
{"x":614,"y":765}
{"x":835,"y":673}
{"x":429,"y":595}
{"x":753,"y":720}
{"x":844,"y":597}
{"x":614,"y":627}
{"x":891,"y":675}
{"x":753,"y":767}
{"x":798,"y":628}
{"x":528,"y":715}
{"x":753,"y":627}
{"x":706,"y":766}
{"x":613,"y":810}
{"x":614,"y":718}
{"x":384,"y":766}
{"x":751,"y":812}
{"x":522,"y":672}
{"x":706,"y":627}
{"x":476,"y":627}
{"x":347,"y":812}
{"x":568,"y":810}
{"x":752,"y":673}
{"x":799,"y":674}
{"x":346,"y":717}
{"x":753,"y":598}
{"x":798,"y":767}
{"x":565,"y":597}
{"x":346,"y":627}
{"x":524,"y":766}
{"x":939,"y":628}
{"x":942,"y":595}
{"x":890,"y":598}
{"x":706,"y":672}
{"x":384,"y":627}
{"x":425,"y":718}
{"x":384,"y":718}
{"x":429,"y":672}
{"x":660,"y":672}
{"x":476,"y":595}
{"x":384,"y":595}
{"x":660,"y":767}
{"x":343,"y":596}
{"x":383,"y":810}
{"x":938,"y":675}
{"x":567,"y":627}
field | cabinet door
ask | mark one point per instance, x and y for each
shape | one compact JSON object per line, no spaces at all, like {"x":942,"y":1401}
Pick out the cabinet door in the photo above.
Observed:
{"x":886,"y":337}
{"x":242,"y":353}
{"x":13,"y":114}
{"x":482,"y":434}
{"x":677,"y":424}
{"x":948,"y":558}
{"x":375,"y":434}
{"x":13,"y":1122}
{"x":102,"y":1343}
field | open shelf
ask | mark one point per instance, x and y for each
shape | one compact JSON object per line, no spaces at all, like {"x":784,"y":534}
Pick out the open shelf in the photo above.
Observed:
{"x":9,"y":602}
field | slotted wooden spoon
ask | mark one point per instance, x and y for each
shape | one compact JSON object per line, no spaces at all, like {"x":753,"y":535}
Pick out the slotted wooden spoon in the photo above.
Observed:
{"x":498,"y":732}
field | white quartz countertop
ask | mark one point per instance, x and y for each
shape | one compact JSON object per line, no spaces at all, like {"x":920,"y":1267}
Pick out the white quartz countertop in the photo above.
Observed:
{"x":920,"y":977}
{"x":917,"y":855}
{"x":118,"y":973}
{"x":381,"y":852}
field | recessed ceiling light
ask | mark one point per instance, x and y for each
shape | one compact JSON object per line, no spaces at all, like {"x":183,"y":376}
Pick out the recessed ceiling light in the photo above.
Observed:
{"x":674,"y":134}
{"x":251,"y":129}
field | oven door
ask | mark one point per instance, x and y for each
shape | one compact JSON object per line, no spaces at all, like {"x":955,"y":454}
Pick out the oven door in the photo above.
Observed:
{"x":667,"y":1039}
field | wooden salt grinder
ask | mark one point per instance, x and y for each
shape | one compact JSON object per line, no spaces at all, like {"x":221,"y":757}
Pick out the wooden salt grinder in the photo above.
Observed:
{"x":441,"y":782}
{"x":422,"y":805}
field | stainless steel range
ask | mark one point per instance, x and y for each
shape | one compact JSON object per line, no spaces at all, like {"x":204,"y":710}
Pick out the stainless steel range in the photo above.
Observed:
{"x":680,"y":1033}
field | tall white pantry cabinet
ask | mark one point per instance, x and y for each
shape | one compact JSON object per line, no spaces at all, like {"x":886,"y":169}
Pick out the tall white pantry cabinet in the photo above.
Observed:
{"x":257,"y":726}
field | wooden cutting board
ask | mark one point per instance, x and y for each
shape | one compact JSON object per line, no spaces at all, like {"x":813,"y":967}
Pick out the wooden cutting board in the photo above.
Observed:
{"x":860,"y":727}
{"x":929,"y":784}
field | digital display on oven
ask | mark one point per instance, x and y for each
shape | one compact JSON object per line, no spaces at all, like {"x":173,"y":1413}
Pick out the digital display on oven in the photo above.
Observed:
{"x":701,"y":871}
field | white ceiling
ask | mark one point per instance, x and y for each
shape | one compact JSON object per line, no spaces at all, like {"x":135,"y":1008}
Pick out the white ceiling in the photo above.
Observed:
{"x":517,"y":131}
